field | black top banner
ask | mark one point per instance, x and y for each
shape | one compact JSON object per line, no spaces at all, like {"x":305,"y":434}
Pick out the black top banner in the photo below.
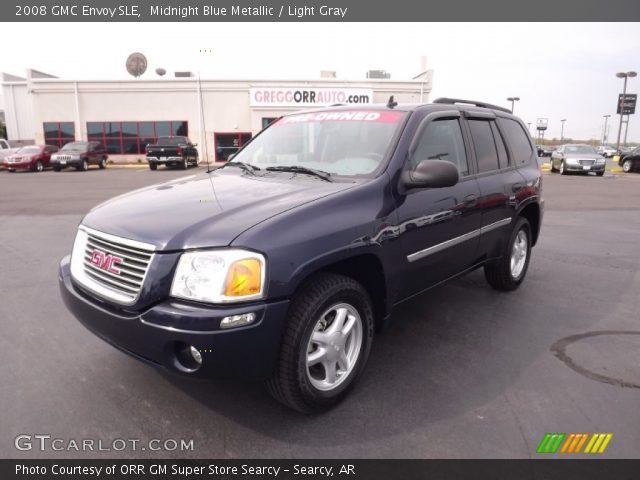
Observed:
{"x":318,"y":11}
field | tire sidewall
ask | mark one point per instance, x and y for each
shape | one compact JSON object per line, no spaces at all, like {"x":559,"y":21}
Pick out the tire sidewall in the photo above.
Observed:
{"x":360,"y":301}
{"x":626,"y":166}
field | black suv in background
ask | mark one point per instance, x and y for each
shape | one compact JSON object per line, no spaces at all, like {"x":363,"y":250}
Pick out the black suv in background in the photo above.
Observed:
{"x":282,"y":264}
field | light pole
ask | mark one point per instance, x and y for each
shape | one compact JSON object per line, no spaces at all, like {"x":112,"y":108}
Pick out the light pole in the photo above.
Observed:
{"x":562,"y":130}
{"x":512,"y":100}
{"x":624,"y":75}
{"x":604,"y":132}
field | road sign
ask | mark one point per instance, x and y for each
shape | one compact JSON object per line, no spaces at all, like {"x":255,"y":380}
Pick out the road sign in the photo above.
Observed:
{"x":541,"y":123}
{"x":629,"y":104}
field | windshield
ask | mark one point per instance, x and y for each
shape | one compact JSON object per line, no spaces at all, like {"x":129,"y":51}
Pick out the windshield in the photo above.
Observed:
{"x":172,"y":141}
{"x":29,"y":150}
{"x":338,"y":142}
{"x":579,"y":149}
{"x":75,"y":146}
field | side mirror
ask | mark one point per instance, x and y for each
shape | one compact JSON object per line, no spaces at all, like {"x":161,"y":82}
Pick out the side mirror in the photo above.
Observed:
{"x":431,"y":174}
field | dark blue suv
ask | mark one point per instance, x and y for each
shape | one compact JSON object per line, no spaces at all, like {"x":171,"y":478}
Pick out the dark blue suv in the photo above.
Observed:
{"x":282,"y":264}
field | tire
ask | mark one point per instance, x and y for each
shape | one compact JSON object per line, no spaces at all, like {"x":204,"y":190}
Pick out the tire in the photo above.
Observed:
{"x":11,"y":170}
{"x":563,"y":171}
{"x":38,"y":167}
{"x":313,"y":310}
{"x":103,"y":163}
{"x":153,"y":166}
{"x":501,"y":274}
{"x":553,"y":169}
{"x":627,"y":166}
{"x":600,"y":174}
{"x":184,"y":164}
{"x":57,"y":169}
{"x":84,"y":166}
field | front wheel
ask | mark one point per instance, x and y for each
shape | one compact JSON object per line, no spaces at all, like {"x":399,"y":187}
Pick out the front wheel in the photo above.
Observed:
{"x":600,"y":174}
{"x":509,"y":271}
{"x":84,"y":166}
{"x":553,"y":169}
{"x":563,"y":170}
{"x":184,"y":164}
{"x":325,"y":345}
{"x":153,"y":166}
{"x":39,"y":167}
{"x":627,"y":166}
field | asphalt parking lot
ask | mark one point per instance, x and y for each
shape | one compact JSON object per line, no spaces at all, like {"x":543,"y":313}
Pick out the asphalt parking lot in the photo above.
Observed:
{"x":464,"y":372}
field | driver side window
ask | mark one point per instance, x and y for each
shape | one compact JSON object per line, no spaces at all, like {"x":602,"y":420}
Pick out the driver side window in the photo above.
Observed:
{"x":442,"y":140}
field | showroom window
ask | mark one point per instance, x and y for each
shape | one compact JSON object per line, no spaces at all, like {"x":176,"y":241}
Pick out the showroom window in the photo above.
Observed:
{"x":131,"y":138}
{"x":266,"y":121}
{"x":59,"y":133}
{"x":228,"y":143}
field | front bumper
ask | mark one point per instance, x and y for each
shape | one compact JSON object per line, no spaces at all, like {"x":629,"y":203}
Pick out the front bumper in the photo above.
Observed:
{"x":75,"y":162}
{"x":157,"y":334}
{"x":18,"y":166}
{"x":572,"y":167}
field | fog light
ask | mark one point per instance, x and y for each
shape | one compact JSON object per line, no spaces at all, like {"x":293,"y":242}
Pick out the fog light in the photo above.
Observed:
{"x":195,"y":353}
{"x":238,"y":320}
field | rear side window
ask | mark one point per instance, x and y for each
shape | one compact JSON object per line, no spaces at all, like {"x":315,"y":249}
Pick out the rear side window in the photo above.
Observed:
{"x":503,"y":158}
{"x":518,"y":140}
{"x":442,"y":140}
{"x":485,"y":145}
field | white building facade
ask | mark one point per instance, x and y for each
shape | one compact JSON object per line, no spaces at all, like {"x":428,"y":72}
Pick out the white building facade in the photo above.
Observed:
{"x":218,"y":115}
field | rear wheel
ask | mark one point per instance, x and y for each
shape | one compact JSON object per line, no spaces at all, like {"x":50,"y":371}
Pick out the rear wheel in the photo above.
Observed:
{"x":325,"y":345}
{"x":103,"y":163}
{"x":509,"y":271}
{"x":627,"y":166}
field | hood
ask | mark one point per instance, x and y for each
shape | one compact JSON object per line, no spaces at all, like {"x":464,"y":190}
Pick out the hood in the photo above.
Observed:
{"x":69,"y":152}
{"x":204,"y":210}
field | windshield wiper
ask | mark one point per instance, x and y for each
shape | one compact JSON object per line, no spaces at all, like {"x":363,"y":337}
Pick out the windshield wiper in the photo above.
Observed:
{"x":246,"y":167}
{"x":298,"y":169}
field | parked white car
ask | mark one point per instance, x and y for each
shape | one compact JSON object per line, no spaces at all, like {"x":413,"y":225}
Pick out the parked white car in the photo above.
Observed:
{"x":606,"y":151}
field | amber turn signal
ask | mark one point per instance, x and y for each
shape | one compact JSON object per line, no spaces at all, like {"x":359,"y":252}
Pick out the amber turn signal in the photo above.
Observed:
{"x":244,"y":278}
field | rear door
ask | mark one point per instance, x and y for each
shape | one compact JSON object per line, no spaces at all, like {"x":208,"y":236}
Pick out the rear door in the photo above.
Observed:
{"x":438,"y":226}
{"x":499,"y":180}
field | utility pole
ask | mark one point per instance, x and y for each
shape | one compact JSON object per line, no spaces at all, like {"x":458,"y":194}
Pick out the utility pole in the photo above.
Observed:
{"x":604,"y":131}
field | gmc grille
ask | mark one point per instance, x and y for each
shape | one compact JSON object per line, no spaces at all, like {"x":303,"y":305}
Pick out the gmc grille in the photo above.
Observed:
{"x":112,"y":267}
{"x":587,"y":162}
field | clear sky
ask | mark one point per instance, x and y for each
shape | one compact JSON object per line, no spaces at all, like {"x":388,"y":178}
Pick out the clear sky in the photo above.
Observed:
{"x":559,"y":70}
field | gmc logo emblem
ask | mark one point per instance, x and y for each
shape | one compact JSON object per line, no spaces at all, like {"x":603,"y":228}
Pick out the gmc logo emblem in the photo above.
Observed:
{"x":106,"y":261}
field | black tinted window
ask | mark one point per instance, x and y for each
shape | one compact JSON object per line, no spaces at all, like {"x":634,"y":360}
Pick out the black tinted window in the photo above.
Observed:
{"x":503,"y":158}
{"x":442,"y":140}
{"x":484,"y":145}
{"x":518,"y":139}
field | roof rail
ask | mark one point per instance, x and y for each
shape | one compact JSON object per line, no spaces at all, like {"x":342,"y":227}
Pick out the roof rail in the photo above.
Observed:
{"x":471,"y":102}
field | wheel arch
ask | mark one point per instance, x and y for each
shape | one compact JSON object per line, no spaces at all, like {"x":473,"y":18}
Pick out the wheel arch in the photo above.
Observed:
{"x":531,"y":212}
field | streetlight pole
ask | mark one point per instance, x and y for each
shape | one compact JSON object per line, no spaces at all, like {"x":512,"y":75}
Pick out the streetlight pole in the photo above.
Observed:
{"x":624,"y":75}
{"x":512,"y":100}
{"x":562,"y":131}
{"x":604,"y":132}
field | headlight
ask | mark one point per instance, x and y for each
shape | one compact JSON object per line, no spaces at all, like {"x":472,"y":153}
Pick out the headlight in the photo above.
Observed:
{"x":219,"y":276}
{"x":600,"y":160}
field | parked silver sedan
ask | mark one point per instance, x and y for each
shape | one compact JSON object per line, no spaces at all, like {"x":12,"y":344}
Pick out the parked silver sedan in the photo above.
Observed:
{"x":580,"y":158}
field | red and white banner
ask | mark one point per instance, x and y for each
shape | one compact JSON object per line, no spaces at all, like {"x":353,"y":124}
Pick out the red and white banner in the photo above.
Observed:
{"x":308,"y":96}
{"x":370,"y":116}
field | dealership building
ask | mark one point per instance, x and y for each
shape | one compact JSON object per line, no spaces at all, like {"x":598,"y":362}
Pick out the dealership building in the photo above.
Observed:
{"x":218,"y":115}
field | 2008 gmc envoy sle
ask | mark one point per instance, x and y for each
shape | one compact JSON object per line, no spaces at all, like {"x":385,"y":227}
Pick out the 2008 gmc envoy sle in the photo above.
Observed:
{"x":283,"y":263}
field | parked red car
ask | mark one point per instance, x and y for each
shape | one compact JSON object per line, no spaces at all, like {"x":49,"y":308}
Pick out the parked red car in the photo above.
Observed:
{"x":33,"y":157}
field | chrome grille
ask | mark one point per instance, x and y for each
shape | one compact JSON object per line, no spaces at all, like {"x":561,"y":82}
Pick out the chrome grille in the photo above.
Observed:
{"x":110,"y":266}
{"x":587,"y":162}
{"x":63,"y":157}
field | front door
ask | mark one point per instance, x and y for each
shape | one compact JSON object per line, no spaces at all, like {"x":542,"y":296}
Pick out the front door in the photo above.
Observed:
{"x":438,"y":226}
